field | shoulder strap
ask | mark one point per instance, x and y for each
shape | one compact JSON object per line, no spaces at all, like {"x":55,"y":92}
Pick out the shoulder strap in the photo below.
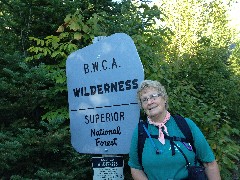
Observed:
{"x":141,"y":139}
{"x":183,"y":126}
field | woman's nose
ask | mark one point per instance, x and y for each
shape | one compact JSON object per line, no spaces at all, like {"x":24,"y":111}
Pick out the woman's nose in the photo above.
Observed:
{"x":149,"y":101}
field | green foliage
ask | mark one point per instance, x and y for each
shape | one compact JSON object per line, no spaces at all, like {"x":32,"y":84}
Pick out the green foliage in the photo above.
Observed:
{"x":42,"y":154}
{"x":234,"y":61}
{"x":23,"y":87}
{"x":53,"y":51}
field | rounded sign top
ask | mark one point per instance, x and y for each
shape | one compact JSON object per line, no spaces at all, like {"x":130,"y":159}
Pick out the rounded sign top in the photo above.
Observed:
{"x":102,"y":81}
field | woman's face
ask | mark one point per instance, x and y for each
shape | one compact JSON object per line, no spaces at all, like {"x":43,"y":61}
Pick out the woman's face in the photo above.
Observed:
{"x":152,"y":102}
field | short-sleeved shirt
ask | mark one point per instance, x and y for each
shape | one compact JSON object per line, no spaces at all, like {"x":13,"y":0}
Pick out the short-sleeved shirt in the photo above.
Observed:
{"x":165,"y":166}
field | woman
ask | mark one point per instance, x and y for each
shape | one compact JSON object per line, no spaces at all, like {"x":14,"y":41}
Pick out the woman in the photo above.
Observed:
{"x":154,"y":100}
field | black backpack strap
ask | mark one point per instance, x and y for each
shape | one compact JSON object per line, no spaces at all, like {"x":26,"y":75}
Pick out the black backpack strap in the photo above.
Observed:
{"x":142,"y":135}
{"x":172,"y":139}
{"x":181,"y":123}
{"x":183,"y":126}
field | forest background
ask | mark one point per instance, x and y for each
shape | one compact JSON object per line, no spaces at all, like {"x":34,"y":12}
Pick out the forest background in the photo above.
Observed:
{"x":187,"y":45}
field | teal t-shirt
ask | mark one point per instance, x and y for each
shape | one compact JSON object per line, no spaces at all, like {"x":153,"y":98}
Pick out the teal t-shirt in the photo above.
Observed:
{"x":165,"y":166}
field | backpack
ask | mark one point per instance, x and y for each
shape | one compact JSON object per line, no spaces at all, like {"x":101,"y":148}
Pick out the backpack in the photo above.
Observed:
{"x":181,"y":123}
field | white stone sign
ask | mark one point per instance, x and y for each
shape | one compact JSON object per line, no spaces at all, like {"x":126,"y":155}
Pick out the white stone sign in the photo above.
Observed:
{"x":102,"y":81}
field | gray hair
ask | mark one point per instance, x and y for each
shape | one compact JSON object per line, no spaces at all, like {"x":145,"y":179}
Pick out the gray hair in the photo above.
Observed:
{"x":152,"y":84}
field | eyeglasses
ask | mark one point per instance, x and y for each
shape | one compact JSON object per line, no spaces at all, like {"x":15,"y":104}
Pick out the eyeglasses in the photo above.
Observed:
{"x":151,"y":97}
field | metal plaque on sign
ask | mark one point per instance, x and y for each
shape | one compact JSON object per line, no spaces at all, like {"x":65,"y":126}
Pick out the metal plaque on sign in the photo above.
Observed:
{"x":108,"y":168}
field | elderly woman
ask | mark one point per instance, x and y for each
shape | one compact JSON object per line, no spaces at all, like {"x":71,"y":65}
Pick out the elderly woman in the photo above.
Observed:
{"x":153,"y":99}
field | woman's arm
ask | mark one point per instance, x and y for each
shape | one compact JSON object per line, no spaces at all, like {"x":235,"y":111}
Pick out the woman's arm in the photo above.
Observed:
{"x":212,"y":170}
{"x":138,"y":174}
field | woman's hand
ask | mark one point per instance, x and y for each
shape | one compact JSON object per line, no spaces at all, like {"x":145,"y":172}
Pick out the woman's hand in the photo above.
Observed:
{"x":138,"y":174}
{"x":212,"y":170}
